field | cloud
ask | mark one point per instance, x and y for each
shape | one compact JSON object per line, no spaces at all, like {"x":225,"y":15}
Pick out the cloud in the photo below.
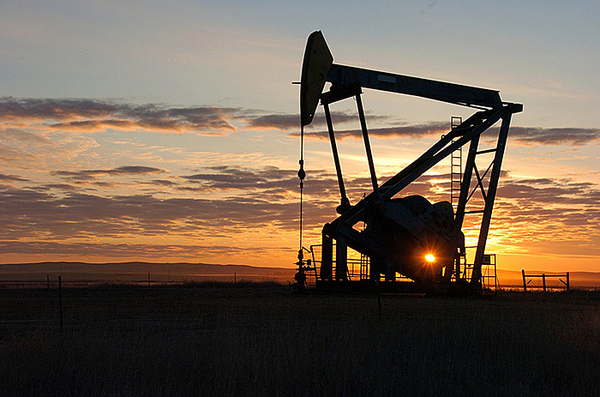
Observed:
{"x":527,"y":136}
{"x":532,"y":136}
{"x":94,"y":115}
{"x":94,"y":174}
{"x":103,"y":250}
{"x":60,"y":186}
{"x":275,"y":121}
{"x":17,"y":145}
{"x":217,"y":201}
{"x":272,"y":184}
{"x":12,"y":178}
{"x":231,"y":177}
{"x":287,"y":122}
{"x":551,"y":191}
{"x":531,"y":212}
{"x":433,"y":128}
{"x":86,"y":115}
{"x":162,"y":182}
{"x":53,"y":109}
{"x":41,"y":215}
{"x":28,"y":150}
{"x":544,"y":187}
{"x":258,"y":200}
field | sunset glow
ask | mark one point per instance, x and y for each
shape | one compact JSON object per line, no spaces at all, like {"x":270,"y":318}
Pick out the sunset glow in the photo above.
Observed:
{"x":172,"y":134}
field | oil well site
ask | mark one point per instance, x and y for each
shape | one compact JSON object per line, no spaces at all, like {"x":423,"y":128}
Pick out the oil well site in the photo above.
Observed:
{"x":392,"y":300}
{"x":409,"y":243}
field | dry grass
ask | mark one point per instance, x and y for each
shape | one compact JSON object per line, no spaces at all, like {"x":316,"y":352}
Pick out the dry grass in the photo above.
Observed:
{"x":263,"y":340}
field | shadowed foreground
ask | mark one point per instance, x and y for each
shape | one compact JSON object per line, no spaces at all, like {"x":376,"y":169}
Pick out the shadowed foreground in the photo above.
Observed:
{"x":264,"y":340}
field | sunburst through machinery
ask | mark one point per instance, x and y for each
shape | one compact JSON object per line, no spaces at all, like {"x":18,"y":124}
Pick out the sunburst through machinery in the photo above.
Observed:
{"x":408,"y":242}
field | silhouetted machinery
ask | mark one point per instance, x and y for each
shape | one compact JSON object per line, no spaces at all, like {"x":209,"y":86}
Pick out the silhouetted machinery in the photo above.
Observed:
{"x":410,"y":236}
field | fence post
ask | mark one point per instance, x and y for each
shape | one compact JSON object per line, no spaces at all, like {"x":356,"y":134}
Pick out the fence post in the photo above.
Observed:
{"x":544,"y":282}
{"x":567,"y":281}
{"x":60,"y":302}
{"x":524,"y":280}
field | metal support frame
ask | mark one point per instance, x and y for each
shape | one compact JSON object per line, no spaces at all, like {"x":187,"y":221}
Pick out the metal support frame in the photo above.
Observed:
{"x":489,"y":199}
{"x":341,"y":259}
{"x":439,"y":151}
{"x":455,"y":167}
{"x":326,"y":271}
{"x":347,"y":82}
{"x":468,"y":132}
{"x":365,"y":134}
{"x":345,"y":203}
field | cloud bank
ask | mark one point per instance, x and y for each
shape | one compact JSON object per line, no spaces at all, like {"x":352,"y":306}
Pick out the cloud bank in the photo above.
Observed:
{"x":66,"y":191}
{"x":84,"y":115}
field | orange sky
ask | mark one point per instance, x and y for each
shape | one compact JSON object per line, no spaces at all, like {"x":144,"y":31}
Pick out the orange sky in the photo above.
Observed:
{"x":134,"y":131}
{"x":119,"y":194}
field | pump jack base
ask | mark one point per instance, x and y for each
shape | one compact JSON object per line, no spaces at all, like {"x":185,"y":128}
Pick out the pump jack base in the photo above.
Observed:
{"x":460,"y":288}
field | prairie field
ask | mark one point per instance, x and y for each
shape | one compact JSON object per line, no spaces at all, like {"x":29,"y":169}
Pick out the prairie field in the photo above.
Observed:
{"x":261,"y":339}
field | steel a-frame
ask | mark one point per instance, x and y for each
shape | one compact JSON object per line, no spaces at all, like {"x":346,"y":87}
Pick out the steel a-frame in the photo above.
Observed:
{"x":395,"y":226}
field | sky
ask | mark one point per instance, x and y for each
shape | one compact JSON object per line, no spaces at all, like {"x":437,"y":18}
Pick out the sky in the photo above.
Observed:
{"x":168,"y":131}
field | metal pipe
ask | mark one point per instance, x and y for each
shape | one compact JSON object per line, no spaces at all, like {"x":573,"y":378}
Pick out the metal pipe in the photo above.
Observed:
{"x":365,"y":133}
{"x":466,"y":183}
{"x":544,"y":282}
{"x":489,"y":202}
{"x":341,"y":259}
{"x":336,"y":157}
{"x":326,"y":257}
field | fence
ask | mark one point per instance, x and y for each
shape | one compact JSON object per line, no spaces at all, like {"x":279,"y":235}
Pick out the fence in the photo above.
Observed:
{"x":544,"y":277}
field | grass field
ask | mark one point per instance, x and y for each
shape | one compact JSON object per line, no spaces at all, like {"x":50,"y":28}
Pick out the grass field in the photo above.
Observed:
{"x":260,"y":339}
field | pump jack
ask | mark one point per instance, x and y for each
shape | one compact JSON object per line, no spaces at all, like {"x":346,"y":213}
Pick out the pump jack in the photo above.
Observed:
{"x":410,"y":236}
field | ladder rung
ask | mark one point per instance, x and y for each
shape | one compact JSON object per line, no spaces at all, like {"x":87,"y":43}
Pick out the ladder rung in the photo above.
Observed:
{"x":455,"y":165}
{"x":475,"y":212}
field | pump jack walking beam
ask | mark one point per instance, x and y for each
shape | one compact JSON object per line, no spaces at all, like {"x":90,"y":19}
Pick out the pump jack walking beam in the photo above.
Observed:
{"x":346,"y":82}
{"x":318,"y":68}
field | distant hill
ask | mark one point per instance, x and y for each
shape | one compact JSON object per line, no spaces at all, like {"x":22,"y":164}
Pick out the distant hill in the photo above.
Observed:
{"x":137,"y":271}
{"x":183,"y":271}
